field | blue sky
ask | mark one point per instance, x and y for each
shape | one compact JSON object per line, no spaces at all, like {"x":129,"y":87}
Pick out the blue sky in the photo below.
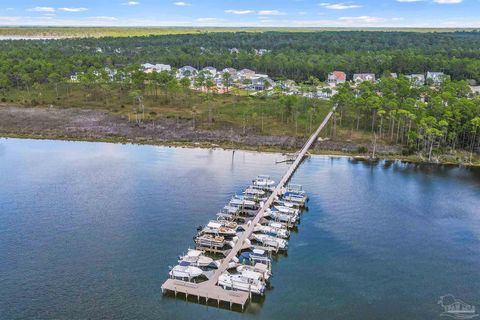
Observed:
{"x":268,"y":13}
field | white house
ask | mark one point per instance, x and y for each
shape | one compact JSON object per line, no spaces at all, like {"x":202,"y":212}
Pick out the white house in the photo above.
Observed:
{"x":262,"y":82}
{"x":436,"y":78}
{"x":186,"y":72}
{"x":475,"y":90}
{"x":416,"y":80}
{"x":209,"y":72}
{"x":74,"y":77}
{"x":246,"y":74}
{"x":361,"y":77}
{"x":149,"y":68}
{"x":261,"y":52}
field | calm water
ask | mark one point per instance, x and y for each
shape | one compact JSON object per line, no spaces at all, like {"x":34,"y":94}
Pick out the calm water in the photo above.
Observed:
{"x":88,"y":230}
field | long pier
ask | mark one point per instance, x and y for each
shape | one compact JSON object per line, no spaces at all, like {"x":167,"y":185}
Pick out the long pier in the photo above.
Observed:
{"x":209,"y":290}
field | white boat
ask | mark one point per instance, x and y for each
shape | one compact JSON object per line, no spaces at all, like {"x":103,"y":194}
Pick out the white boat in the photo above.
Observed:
{"x":212,"y":241}
{"x":246,"y":281}
{"x":287,"y":204}
{"x":196,"y":259}
{"x":277,"y":232}
{"x":216,"y":228}
{"x":243,"y":204}
{"x":253,"y":191}
{"x":295,"y":198}
{"x":278,"y":225}
{"x":263,"y":181}
{"x":271,"y":241}
{"x":287,"y":210}
{"x":295,"y":188}
{"x":294,"y":193}
{"x":281,"y":217}
{"x":227,"y":223}
{"x":254,"y":256}
{"x":185,"y":271}
{"x":250,"y":197}
{"x":260,"y":268}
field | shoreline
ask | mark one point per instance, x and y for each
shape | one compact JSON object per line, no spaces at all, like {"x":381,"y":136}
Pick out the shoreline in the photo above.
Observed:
{"x":240,"y":147}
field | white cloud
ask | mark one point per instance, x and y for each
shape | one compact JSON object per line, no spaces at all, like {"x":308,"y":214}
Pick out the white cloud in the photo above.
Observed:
{"x":181,"y":4}
{"x":260,"y":12}
{"x":364,"y":19}
{"x":448,"y":1}
{"x":131,"y":3}
{"x":271,"y":13}
{"x":103,"y":18}
{"x":42,"y":9}
{"x":72,"y":9}
{"x":339,"y":6}
{"x":209,"y":19}
{"x":239,"y":11}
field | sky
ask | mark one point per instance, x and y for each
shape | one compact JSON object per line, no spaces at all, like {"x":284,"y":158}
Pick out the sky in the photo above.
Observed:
{"x":242,"y":13}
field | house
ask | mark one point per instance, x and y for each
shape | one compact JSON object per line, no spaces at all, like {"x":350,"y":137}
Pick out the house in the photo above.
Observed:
{"x":336,"y":77}
{"x":245,"y":74}
{"x":186,"y":72}
{"x":209,"y":72}
{"x":74,"y":77}
{"x":417,"y":80}
{"x":111,"y":73}
{"x":262,"y":82}
{"x":436,"y":78}
{"x":475,"y":90}
{"x":149,"y":68}
{"x":361,"y":77}
{"x":394,"y":75}
{"x":261,"y":52}
{"x":231,"y":71}
{"x":288,"y":85}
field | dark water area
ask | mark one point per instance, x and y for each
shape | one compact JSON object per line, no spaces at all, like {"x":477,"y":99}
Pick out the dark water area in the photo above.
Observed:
{"x":88,"y":230}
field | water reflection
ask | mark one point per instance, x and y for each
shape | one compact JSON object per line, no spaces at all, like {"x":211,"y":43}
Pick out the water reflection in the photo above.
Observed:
{"x":88,"y":230}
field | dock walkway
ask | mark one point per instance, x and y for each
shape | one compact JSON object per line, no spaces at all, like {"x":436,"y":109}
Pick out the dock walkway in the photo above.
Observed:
{"x":209,"y":289}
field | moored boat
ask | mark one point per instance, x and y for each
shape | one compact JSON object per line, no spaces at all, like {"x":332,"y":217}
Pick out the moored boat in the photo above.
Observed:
{"x":247,"y":281}
{"x":185,"y":271}
{"x":269,"y":230}
{"x":196,"y":259}
{"x":260,"y":268}
{"x":280,"y":244}
{"x":254,"y":256}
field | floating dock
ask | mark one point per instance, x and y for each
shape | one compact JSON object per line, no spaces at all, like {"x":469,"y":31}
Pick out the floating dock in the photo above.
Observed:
{"x":209,"y":290}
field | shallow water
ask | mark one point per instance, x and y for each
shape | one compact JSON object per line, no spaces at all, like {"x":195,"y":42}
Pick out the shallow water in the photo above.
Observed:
{"x":88,"y":230}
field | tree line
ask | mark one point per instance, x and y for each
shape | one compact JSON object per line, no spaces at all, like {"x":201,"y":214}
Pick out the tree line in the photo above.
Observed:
{"x":422,"y":118}
{"x":294,"y":56}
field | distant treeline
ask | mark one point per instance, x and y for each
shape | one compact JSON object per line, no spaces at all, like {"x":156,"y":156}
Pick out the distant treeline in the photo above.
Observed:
{"x":293,"y":55}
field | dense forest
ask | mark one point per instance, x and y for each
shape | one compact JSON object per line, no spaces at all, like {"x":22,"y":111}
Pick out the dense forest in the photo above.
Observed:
{"x":293,"y":55}
{"x":426,"y":120}
{"x":421,"y":118}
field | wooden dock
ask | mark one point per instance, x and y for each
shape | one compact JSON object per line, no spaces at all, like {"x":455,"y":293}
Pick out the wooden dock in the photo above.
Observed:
{"x":209,"y":290}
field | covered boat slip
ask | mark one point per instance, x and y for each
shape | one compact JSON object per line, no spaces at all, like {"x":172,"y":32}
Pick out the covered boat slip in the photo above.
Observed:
{"x":209,"y":289}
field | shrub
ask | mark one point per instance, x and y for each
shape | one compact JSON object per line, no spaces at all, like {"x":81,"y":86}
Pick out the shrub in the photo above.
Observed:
{"x":362,"y":149}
